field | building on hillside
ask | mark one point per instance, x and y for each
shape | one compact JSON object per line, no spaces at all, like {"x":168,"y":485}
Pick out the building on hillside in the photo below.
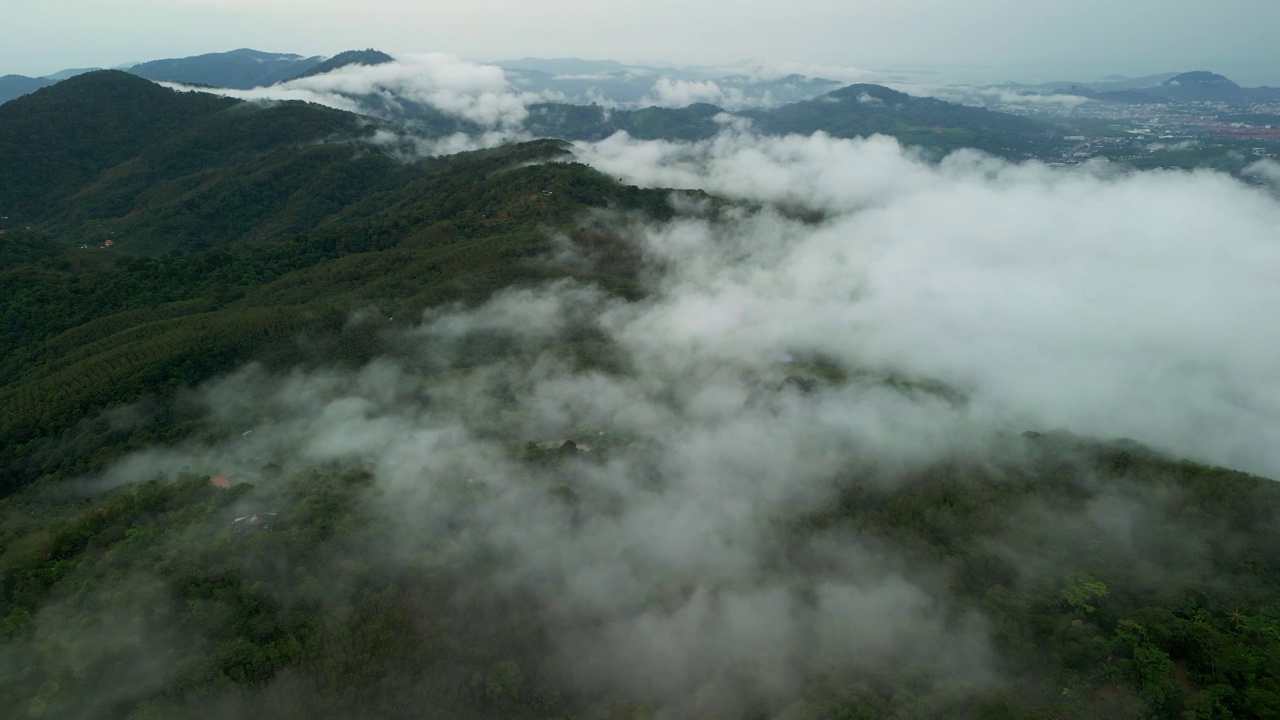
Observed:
{"x":220,"y":481}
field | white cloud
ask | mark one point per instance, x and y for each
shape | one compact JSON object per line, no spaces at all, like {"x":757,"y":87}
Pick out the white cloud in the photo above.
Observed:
{"x":465,"y":90}
{"x":1109,"y":304}
{"x":1267,"y":169}
{"x":1135,"y":305}
{"x":679,"y":93}
{"x":993,"y":96}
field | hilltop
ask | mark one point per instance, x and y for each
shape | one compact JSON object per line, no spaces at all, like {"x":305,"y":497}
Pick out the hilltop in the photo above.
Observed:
{"x":343,"y":59}
{"x":242,"y":69}
{"x":14,"y":86}
{"x":862,"y":109}
{"x":58,"y":138}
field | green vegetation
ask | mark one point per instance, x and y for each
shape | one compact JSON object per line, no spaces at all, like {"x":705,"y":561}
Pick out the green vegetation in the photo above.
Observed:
{"x":350,"y":57}
{"x":860,"y":110}
{"x":87,"y":328}
{"x":232,"y":232}
{"x":853,"y":111}
{"x":1110,"y":581}
{"x":1226,"y":157}
{"x":311,"y":618}
{"x":14,"y":86}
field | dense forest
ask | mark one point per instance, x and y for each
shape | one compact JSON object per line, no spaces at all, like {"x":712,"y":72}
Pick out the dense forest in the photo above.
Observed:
{"x":291,"y":427}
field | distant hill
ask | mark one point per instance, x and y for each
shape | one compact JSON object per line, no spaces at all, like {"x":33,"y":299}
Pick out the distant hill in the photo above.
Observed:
{"x":15,"y":86}
{"x":343,"y":59}
{"x":852,"y":111}
{"x":72,"y":72}
{"x":592,"y":122}
{"x":862,"y":109}
{"x":1119,"y":83}
{"x":1203,"y":86}
{"x":240,"y":69}
{"x":1195,"y":86}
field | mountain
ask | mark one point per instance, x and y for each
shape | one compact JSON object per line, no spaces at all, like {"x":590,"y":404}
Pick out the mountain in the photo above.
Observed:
{"x":1196,"y":86}
{"x":852,"y":111}
{"x":58,"y":138}
{"x":240,"y":69}
{"x":327,"y":433}
{"x":108,"y":156}
{"x":861,"y":109}
{"x":72,"y":72}
{"x":13,"y":86}
{"x":343,"y":59}
{"x":592,"y":122}
{"x":1200,"y":86}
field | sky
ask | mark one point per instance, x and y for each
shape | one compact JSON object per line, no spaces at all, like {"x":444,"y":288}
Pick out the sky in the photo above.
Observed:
{"x":981,"y":40}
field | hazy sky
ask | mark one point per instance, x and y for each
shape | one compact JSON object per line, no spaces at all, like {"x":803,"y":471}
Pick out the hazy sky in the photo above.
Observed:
{"x":975,"y":40}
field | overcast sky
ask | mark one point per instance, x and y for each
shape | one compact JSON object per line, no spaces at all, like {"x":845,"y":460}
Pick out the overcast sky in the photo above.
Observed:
{"x":972,"y":41}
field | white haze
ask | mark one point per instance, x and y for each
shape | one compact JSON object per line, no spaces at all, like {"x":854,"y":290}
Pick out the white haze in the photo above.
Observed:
{"x":1120,"y":305}
{"x":1108,"y":304}
{"x":995,"y":96}
{"x":484,"y":94}
{"x":1267,"y":170}
{"x":461,"y":89}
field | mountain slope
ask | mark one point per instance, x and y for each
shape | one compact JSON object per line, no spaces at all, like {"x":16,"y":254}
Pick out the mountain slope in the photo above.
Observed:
{"x":15,"y":86}
{"x":1203,"y":86}
{"x":55,"y":140}
{"x":859,"y":110}
{"x":343,"y":59}
{"x":241,"y":69}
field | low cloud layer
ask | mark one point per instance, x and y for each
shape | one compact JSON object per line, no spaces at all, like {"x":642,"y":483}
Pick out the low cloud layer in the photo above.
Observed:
{"x":1119,"y":305}
{"x":1003,"y":98}
{"x":862,"y":314}
{"x":464,"y":90}
{"x":494,"y":100}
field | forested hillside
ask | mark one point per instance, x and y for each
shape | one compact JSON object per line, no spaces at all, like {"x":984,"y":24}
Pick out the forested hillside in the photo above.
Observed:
{"x":862,"y":110}
{"x":290,"y":427}
{"x":228,"y":228}
{"x":852,"y":111}
{"x":243,"y":68}
{"x":14,"y":86}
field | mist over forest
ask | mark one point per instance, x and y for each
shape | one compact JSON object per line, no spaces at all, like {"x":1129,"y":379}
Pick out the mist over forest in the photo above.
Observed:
{"x":317,"y":414}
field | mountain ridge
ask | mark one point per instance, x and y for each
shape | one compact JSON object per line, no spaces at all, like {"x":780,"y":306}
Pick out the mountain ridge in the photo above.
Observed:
{"x":240,"y":69}
{"x":344,"y":59}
